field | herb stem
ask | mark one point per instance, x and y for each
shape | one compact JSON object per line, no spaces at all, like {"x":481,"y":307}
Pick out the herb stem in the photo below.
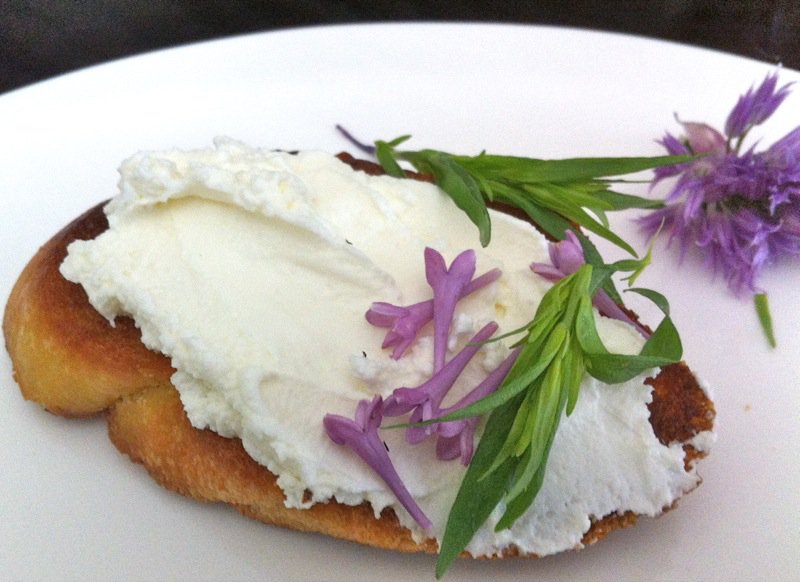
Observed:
{"x":765,"y":318}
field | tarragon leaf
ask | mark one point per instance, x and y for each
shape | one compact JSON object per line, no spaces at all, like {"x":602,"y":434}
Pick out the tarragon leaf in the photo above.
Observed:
{"x":654,"y":296}
{"x":385,"y":154}
{"x":617,"y":368}
{"x":569,"y":186}
{"x":464,"y":191}
{"x":547,"y":220}
{"x":619,"y":201}
{"x":520,"y":504}
{"x":534,"y":170}
{"x":477,"y":498}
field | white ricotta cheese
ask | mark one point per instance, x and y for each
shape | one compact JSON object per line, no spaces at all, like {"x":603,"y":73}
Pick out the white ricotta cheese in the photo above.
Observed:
{"x":252,"y":271}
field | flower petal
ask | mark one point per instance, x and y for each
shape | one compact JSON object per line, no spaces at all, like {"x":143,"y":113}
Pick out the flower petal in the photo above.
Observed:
{"x":448,"y":286}
{"x":361,"y":435}
{"x":403,"y":400}
{"x":755,"y":106}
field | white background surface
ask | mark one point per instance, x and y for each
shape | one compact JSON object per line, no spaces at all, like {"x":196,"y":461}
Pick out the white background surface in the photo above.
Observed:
{"x":71,"y":507}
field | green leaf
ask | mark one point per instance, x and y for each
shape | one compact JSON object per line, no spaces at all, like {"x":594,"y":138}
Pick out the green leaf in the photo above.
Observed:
{"x":523,"y":500}
{"x":476,"y":497}
{"x":764,"y":317}
{"x":533,"y":170}
{"x":464,"y":190}
{"x":515,"y":432}
{"x":541,"y":416}
{"x":654,"y":296}
{"x":582,"y":282}
{"x":617,"y":368}
{"x":586,"y":329}
{"x":574,"y":369}
{"x":385,"y":154}
{"x":547,"y":220}
{"x":640,"y":265}
{"x":520,"y":504}
{"x":662,"y":348}
{"x":607,"y":234}
{"x":665,"y":342}
{"x":619,"y":201}
{"x":571,"y":194}
{"x":399,"y":140}
{"x":530,"y":364}
{"x":601,"y":270}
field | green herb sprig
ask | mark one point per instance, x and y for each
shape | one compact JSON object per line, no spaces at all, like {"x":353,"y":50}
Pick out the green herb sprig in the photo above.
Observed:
{"x":561,"y":344}
{"x":555,"y":194}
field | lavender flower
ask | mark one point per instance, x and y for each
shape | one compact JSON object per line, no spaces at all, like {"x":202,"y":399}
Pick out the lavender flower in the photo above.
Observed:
{"x":429,"y":395}
{"x":454,"y":438}
{"x":567,"y":257}
{"x":457,"y":437}
{"x":448,"y":285}
{"x":741,"y":208}
{"x":405,"y":323}
{"x":361,"y":435}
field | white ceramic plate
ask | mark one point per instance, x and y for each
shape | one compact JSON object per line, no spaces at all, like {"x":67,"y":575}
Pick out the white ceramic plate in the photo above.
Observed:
{"x":71,"y":507}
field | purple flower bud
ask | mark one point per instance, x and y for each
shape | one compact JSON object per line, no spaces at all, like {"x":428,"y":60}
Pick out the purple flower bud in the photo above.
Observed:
{"x":755,"y":106}
{"x":361,"y":435}
{"x":703,"y":139}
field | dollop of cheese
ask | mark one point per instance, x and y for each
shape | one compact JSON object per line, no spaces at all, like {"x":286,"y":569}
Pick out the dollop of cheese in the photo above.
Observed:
{"x":252,"y":271}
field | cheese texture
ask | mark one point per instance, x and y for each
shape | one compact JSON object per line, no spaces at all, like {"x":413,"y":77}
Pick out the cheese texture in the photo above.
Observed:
{"x":252,"y":271}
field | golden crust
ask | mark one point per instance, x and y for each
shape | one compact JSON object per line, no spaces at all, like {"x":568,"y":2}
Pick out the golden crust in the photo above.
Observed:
{"x":152,"y":429}
{"x":68,"y":358}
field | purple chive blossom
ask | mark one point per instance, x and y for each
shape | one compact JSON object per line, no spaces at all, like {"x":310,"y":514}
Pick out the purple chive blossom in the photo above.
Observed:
{"x":567,"y":257}
{"x":361,"y":435}
{"x":404,"y":323}
{"x":740,"y":208}
{"x":755,"y":107}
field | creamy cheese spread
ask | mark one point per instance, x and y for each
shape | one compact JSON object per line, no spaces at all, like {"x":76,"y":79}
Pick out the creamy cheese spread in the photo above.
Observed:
{"x":252,"y":271}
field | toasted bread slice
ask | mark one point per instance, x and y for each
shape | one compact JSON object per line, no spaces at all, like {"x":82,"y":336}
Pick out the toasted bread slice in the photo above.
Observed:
{"x":71,"y":361}
{"x":66,"y":356}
